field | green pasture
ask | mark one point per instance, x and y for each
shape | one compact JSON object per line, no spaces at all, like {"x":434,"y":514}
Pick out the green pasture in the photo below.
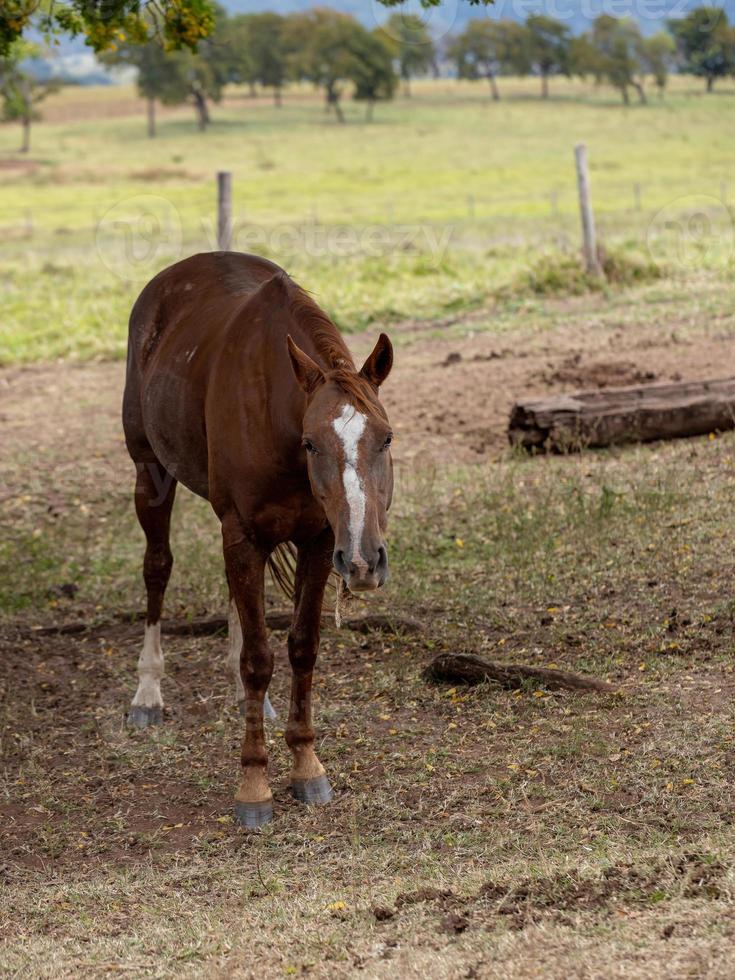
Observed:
{"x":445,"y":202}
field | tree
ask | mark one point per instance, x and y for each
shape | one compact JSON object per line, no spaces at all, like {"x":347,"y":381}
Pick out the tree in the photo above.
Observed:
{"x":240,"y":68}
{"x":486,"y":49}
{"x":583,"y":58}
{"x":332,"y":50}
{"x":548,"y":43}
{"x":611,"y":51}
{"x":319,"y":44}
{"x":258,"y":51}
{"x":411,"y":45}
{"x":175,"y":77}
{"x":20,"y":92}
{"x":658,"y":54}
{"x":706,"y":43}
{"x":268,"y":52}
{"x":371,"y":69}
{"x":174,"y":23}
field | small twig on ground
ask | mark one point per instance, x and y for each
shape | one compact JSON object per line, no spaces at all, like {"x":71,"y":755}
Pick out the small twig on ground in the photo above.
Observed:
{"x":260,"y":876}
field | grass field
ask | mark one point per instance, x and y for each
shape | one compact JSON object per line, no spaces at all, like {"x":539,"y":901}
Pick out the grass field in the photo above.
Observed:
{"x":443,"y":204}
{"x":475,"y":832}
{"x":478,"y":832}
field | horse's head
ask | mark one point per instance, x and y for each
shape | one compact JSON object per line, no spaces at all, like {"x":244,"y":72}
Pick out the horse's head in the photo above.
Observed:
{"x":347,"y":437}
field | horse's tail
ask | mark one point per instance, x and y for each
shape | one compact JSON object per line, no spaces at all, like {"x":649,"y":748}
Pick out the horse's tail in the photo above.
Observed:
{"x":282,"y":566}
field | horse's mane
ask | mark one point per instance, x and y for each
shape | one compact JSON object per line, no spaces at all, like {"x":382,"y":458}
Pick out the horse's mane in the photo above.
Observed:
{"x":327,"y":338}
{"x":340,"y":367}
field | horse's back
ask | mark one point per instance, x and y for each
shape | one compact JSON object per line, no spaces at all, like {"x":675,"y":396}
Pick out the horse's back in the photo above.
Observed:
{"x":199,"y":294}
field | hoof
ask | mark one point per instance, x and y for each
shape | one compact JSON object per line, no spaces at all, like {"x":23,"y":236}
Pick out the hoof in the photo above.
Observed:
{"x":315,"y":790}
{"x":269,"y":712}
{"x":253,"y":815}
{"x":141,"y":717}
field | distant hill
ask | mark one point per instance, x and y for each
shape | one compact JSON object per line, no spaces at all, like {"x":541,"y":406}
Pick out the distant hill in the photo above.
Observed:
{"x":74,"y":61}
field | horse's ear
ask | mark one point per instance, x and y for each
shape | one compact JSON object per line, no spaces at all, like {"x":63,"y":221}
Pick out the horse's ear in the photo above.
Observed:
{"x":308,"y":373}
{"x":377,"y":367}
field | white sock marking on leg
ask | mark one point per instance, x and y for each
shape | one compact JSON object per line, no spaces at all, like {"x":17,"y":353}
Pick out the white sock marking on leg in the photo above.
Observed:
{"x":350,"y":426}
{"x":234,"y":633}
{"x":150,"y":669}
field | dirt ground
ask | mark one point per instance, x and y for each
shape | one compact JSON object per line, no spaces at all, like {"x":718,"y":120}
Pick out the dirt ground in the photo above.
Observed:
{"x":521,"y":834}
{"x":448,"y":398}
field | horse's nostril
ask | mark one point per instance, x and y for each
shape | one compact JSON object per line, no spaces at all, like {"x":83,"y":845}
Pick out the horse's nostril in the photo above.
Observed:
{"x":338,"y":559}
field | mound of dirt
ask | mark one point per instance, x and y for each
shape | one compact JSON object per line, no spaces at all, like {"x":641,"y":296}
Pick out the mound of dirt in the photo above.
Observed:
{"x":19,"y":166}
{"x":598,"y":374}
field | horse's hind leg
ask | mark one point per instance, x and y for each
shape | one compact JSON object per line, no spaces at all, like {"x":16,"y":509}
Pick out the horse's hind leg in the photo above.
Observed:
{"x":155,"y":490}
{"x":245,"y":566}
{"x":234,"y":637}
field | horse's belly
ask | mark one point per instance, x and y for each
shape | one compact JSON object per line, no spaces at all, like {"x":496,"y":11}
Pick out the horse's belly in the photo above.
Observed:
{"x":174,"y":423}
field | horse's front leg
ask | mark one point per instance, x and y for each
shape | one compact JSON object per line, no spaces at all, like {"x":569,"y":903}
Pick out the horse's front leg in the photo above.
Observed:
{"x":245,"y":565}
{"x":309,"y":783}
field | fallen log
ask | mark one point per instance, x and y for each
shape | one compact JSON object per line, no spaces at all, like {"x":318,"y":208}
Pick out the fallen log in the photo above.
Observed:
{"x":211,"y":625}
{"x":612,"y":416}
{"x":465,"y":668}
{"x":277,"y":620}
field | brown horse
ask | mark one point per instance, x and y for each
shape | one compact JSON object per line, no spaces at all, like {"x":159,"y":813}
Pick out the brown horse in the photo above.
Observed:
{"x":242,"y":389}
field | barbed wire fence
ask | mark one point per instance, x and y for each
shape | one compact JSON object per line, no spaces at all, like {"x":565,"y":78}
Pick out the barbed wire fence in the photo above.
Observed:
{"x":475,"y":219}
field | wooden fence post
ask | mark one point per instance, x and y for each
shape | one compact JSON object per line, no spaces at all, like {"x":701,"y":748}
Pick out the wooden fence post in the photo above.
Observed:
{"x":224,"y":210}
{"x":585,"y":208}
{"x":151,"y":113}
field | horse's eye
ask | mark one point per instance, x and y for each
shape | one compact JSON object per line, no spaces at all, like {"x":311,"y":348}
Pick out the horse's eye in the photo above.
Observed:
{"x":310,"y":447}
{"x":388,"y":441}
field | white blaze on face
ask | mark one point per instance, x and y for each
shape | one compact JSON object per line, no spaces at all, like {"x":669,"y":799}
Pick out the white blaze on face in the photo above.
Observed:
{"x":350,"y":426}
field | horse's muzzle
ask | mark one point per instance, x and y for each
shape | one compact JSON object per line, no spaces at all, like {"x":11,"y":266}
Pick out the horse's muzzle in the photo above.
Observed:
{"x":365,"y":574}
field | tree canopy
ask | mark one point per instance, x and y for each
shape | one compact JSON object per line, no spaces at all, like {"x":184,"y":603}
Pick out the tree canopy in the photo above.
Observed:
{"x":658,"y":55}
{"x":548,"y":43}
{"x":487,"y":48}
{"x":611,"y":51}
{"x":173,"y":23}
{"x":371,"y":70}
{"x":331,"y":49}
{"x":408,"y":39}
{"x":20,"y":92}
{"x":706,"y":43}
{"x":260,"y":51}
{"x":174,"y":77}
